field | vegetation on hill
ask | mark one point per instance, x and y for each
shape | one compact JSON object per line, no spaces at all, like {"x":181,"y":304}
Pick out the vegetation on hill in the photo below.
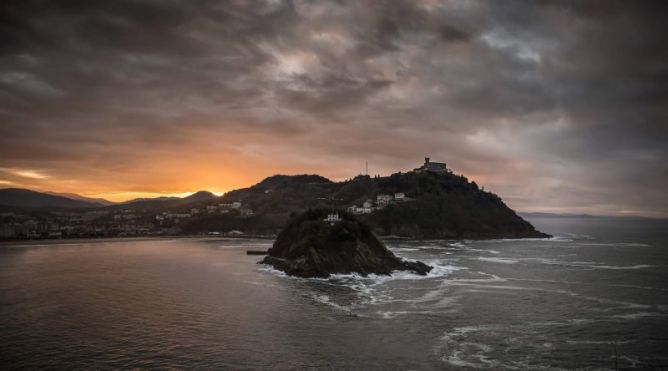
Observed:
{"x":25,"y":198}
{"x":438,"y":205}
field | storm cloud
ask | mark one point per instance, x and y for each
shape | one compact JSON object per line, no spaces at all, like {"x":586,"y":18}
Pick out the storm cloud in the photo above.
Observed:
{"x":556,"y":106}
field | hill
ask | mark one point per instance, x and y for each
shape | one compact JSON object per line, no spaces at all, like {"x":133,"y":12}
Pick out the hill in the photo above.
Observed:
{"x":25,"y":198}
{"x":429,"y":205}
{"x":74,"y":196}
{"x":200,"y":196}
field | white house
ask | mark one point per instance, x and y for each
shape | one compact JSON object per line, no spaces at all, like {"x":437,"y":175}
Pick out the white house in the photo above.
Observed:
{"x":246,"y":211}
{"x":399,"y":196}
{"x":383,"y":199}
{"x":361,"y":210}
{"x":332,"y":218}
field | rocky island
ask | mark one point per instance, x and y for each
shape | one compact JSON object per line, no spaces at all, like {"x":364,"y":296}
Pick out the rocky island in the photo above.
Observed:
{"x":321,"y":242}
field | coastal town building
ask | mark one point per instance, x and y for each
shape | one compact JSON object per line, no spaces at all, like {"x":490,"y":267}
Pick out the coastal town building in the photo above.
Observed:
{"x":230,"y":205}
{"x":246,"y":211}
{"x":360,"y":210}
{"x":383,"y":199}
{"x":332,"y":218}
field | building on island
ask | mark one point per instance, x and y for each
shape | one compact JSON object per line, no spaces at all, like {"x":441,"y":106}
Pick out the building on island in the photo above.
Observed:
{"x":433,"y":167}
{"x":332,"y":218}
{"x":383,"y":199}
{"x":399,"y":196}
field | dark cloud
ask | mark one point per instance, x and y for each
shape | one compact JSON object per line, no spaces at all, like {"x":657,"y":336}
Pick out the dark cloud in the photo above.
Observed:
{"x":556,"y":105}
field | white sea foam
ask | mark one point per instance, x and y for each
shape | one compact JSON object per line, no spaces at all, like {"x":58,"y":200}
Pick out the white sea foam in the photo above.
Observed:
{"x":404,"y":249}
{"x":552,"y":239}
{"x":395,"y":314}
{"x":498,"y":260}
{"x":324,"y":299}
{"x":600,"y":342}
{"x":578,"y":236}
{"x":462,"y":351}
{"x":269,"y":269}
{"x":488,"y":251}
{"x":638,"y":315}
{"x":438,"y":270}
{"x":492,"y":278}
{"x":575,"y":264}
{"x":632,"y":361}
{"x":615,"y":244}
{"x":639,"y":266}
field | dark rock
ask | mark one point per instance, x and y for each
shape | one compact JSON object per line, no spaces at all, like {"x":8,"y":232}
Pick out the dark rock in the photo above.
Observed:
{"x":311,"y":247}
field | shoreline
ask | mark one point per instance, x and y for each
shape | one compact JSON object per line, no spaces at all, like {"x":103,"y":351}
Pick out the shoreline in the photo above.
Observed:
{"x":64,"y":241}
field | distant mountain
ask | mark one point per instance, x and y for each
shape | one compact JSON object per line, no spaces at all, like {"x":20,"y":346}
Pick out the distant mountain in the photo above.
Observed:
{"x":553,"y":215}
{"x":200,"y":196}
{"x":26,"y":198}
{"x":538,"y":215}
{"x":74,"y":196}
{"x":166,"y":200}
{"x":149,"y":199}
{"x":167,"y":203}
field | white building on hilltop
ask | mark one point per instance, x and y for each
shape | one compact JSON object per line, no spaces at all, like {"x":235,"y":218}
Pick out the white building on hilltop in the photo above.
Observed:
{"x":433,"y":167}
{"x":332,"y":218}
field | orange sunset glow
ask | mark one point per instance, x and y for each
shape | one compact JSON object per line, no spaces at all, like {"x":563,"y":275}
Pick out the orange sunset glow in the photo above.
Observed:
{"x":180,"y":102}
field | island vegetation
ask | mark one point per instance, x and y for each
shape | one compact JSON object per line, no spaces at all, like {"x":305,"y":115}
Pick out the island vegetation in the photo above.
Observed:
{"x":321,"y":242}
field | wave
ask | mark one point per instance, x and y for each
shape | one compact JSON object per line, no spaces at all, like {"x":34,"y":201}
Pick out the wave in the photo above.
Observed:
{"x":395,"y":314}
{"x":462,"y":346}
{"x":404,"y":249}
{"x":574,"y":264}
{"x":593,"y":284}
{"x":498,"y":260}
{"x":600,"y":342}
{"x":552,"y":239}
{"x":438,"y":270}
{"x":639,"y":266}
{"x":616,"y":244}
{"x":638,"y":315}
{"x":325,"y":299}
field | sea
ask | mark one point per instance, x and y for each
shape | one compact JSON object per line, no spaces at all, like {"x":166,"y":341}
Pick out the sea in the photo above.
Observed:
{"x":593,"y":297}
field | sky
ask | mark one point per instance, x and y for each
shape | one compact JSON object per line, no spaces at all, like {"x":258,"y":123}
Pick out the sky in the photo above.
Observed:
{"x":557,"y":106}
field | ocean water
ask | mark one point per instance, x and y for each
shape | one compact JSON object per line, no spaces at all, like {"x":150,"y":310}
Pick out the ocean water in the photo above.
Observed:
{"x":593,"y":297}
